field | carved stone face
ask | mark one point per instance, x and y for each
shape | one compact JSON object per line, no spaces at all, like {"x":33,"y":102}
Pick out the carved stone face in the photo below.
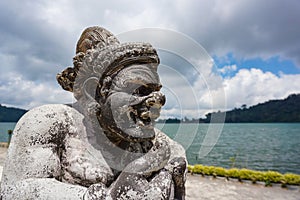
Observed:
{"x":133,"y":103}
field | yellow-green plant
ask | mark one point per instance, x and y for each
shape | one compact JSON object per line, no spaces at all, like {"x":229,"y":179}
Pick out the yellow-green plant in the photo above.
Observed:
{"x":292,"y":179}
{"x":273,"y":177}
{"x":268,"y":177}
{"x":233,"y":173}
{"x":245,"y":174}
{"x":219,"y":171}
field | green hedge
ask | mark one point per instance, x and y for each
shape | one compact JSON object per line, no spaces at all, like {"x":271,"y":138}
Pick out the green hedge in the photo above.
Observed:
{"x":268,"y":177}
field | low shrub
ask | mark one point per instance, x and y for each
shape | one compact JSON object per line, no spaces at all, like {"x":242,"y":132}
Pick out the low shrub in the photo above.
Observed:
{"x":268,"y":177}
{"x":245,"y":174}
{"x":233,"y":173}
{"x":190,"y":168}
{"x":198,"y":169}
{"x":292,"y":179}
{"x":219,"y":171}
{"x":273,"y":177}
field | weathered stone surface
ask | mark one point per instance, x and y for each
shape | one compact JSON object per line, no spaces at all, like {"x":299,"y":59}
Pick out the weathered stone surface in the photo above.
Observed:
{"x":105,"y":145}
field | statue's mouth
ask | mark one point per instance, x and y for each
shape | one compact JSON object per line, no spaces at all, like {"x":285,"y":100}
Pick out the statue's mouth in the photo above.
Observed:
{"x":144,"y":113}
{"x":144,"y":116}
{"x":134,"y":121}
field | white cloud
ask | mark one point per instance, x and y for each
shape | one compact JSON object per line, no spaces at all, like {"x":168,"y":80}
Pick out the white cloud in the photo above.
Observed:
{"x":248,"y":86}
{"x":192,"y":98}
{"x":39,"y":41}
{"x":252,"y":86}
{"x":19,"y":92}
{"x":228,"y":69}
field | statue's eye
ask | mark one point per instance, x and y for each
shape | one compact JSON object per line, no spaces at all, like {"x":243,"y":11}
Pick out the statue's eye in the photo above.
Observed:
{"x":143,"y":90}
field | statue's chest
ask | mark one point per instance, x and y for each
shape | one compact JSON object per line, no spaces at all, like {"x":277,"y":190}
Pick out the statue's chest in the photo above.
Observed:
{"x":84,"y":165}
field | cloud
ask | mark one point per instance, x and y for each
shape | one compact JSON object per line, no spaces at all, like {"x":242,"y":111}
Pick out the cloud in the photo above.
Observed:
{"x":38,"y":40}
{"x":249,"y":28}
{"x":19,"y":92}
{"x":227,"y":69}
{"x":253,"y":86}
{"x":247,"y":86}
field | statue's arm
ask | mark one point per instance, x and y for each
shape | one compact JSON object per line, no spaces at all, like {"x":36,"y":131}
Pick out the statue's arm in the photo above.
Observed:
{"x":144,"y":178}
{"x":40,"y":189}
{"x":33,"y":165}
{"x":176,"y":166}
{"x":159,"y":174}
{"x":33,"y":175}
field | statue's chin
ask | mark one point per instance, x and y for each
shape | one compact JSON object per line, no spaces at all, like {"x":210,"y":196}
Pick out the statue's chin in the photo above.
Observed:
{"x":136,"y":130}
{"x":138,"y":134}
{"x":134,"y":125}
{"x":129,"y":131}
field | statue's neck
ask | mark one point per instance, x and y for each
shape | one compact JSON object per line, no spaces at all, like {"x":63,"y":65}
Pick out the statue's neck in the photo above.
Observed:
{"x":131,"y":146}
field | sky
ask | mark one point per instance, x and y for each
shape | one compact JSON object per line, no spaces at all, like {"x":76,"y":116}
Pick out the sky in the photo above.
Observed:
{"x":215,"y":54}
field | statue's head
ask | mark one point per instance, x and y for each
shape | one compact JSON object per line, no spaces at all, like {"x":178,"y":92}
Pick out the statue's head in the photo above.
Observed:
{"x":119,"y":81}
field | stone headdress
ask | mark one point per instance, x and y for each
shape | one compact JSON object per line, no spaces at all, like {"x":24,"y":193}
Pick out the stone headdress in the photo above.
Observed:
{"x":99,"y":57}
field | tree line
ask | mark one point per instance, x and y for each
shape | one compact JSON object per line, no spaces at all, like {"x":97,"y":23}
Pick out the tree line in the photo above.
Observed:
{"x":8,"y":114}
{"x":286,"y":110}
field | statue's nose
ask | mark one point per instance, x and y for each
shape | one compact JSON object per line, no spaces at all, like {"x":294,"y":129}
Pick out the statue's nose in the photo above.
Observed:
{"x":156,"y":100}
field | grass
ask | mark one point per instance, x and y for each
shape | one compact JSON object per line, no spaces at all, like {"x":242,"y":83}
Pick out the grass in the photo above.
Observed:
{"x":268,"y":177}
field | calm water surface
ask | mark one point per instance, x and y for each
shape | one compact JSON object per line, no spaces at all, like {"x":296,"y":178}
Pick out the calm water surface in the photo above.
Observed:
{"x":254,"y":146}
{"x":4,"y":127}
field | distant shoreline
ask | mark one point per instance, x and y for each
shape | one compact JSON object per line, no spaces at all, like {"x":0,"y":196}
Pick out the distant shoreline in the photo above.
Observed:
{"x":273,"y":111}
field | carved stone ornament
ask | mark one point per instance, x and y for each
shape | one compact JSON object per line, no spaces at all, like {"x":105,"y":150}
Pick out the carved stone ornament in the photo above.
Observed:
{"x":105,"y":145}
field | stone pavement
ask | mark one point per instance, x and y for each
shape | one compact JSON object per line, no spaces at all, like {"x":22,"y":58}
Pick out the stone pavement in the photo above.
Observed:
{"x":208,"y":188}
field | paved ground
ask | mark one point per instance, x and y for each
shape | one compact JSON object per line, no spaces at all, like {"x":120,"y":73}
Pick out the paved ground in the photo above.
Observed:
{"x":2,"y":155}
{"x":207,"y":188}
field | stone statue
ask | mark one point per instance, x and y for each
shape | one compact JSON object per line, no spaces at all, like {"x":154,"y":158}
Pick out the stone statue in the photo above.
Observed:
{"x":105,"y":145}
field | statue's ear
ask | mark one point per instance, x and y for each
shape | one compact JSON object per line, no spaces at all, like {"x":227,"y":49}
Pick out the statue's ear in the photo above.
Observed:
{"x":105,"y":86}
{"x":103,"y":89}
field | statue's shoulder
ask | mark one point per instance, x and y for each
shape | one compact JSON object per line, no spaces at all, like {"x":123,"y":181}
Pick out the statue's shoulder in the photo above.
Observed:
{"x":45,"y":123}
{"x":177,"y":149}
{"x":50,"y":113}
{"x":51,"y":110}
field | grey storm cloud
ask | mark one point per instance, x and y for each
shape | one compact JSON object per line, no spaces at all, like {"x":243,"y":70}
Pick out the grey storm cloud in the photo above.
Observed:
{"x":246,"y":28}
{"x":38,"y":37}
{"x":257,"y":28}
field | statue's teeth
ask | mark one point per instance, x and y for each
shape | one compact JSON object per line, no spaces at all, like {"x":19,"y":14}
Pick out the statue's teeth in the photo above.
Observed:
{"x":145,"y":115}
{"x":140,"y":122}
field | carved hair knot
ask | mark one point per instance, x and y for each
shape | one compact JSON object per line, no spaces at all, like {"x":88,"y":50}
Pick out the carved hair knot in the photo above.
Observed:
{"x":99,"y":57}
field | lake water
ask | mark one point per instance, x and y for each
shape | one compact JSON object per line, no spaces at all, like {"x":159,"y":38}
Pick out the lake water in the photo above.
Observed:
{"x":254,"y":146}
{"x":4,"y":127}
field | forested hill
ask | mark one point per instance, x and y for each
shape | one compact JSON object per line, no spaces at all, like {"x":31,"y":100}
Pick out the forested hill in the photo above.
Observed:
{"x":8,"y":114}
{"x":286,"y":110}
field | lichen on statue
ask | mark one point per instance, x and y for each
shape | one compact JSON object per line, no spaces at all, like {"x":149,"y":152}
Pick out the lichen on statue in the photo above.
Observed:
{"x":105,"y":145}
